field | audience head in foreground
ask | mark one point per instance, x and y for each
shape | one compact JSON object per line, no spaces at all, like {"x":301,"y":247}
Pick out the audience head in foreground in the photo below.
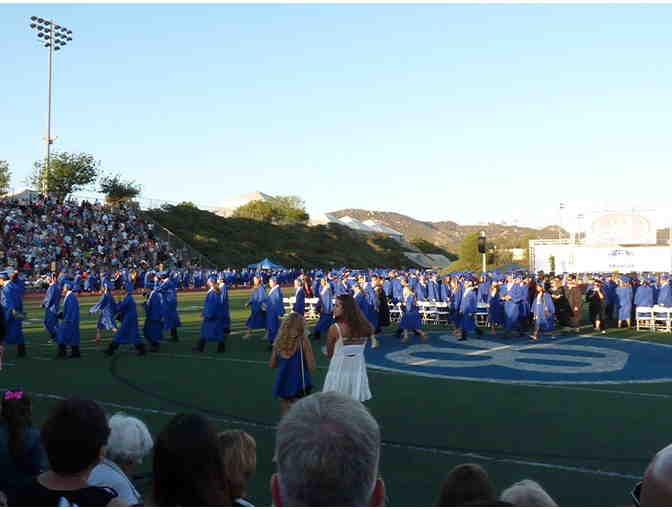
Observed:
{"x":188,"y":466}
{"x":465,"y":484}
{"x":239,"y":452}
{"x":657,"y":484}
{"x":327,"y":450}
{"x":527,"y":493}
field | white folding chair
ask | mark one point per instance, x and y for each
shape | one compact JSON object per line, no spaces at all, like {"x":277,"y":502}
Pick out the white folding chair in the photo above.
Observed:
{"x":644,"y":318}
{"x":662,"y":319}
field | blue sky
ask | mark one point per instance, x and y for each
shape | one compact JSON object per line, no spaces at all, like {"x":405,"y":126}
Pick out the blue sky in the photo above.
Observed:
{"x":468,"y":113}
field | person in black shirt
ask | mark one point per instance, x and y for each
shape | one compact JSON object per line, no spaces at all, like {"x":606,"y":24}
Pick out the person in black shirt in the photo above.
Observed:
{"x":74,"y":435}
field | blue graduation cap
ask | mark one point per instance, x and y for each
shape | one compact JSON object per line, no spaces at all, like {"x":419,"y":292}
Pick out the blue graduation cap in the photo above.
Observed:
{"x":625,"y":279}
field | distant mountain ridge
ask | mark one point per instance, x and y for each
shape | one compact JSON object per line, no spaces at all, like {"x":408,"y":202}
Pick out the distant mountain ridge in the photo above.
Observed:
{"x":448,"y":234}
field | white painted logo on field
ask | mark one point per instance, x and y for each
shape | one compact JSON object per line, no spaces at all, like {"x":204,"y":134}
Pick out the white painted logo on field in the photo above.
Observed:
{"x":570,"y":359}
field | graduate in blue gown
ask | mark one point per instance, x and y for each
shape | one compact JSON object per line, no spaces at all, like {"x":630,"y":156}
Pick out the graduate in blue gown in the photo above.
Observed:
{"x":225,"y":314}
{"x":257,"y":318}
{"x":106,"y":307}
{"x":211,"y":327}
{"x":12,"y":305}
{"x":623,"y":301}
{"x":68,"y":327}
{"x":468,"y":307}
{"x":411,"y":319}
{"x":421,"y":289}
{"x":153,"y":327}
{"x":299,"y":305}
{"x":665,"y":292}
{"x":644,"y":295}
{"x":51,"y":304}
{"x":496,"y":308}
{"x":128,"y":332}
{"x":543,"y":312}
{"x":434,"y":289}
{"x":171,"y":319}
{"x":274,"y":311}
{"x":512,"y":295}
{"x":325,"y":308}
{"x":397,"y":290}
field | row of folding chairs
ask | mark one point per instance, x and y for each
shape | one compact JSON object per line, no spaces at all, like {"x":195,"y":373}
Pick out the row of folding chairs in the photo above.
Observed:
{"x":653,"y":318}
{"x":311,"y":312}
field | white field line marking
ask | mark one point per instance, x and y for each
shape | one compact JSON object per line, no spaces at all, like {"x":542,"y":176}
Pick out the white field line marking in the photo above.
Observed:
{"x":486,"y":351}
{"x":561,"y":467}
{"x":423,"y":362}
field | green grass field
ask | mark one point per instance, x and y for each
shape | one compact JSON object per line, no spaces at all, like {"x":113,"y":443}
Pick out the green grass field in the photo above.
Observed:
{"x":586,"y":444}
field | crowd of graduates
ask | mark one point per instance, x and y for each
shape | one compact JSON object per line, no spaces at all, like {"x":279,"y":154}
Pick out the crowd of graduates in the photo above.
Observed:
{"x":517,"y":303}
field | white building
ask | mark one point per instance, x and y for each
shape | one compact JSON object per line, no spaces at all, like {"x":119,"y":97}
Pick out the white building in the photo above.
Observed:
{"x":232,"y":203}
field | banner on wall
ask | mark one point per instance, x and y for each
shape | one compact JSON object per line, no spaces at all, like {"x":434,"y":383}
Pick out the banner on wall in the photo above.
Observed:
{"x":591,"y":259}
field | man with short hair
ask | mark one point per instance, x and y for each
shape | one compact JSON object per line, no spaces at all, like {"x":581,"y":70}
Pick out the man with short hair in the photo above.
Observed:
{"x":327,"y":450}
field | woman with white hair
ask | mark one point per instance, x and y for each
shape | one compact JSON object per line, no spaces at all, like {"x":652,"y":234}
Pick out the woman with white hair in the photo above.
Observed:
{"x":527,"y":493}
{"x":128,"y":444}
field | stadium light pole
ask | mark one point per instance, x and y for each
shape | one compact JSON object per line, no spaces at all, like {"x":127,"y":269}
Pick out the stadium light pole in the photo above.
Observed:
{"x":54,"y":37}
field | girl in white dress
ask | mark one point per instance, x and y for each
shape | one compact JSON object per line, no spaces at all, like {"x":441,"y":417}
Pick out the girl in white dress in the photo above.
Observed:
{"x":346,"y":341}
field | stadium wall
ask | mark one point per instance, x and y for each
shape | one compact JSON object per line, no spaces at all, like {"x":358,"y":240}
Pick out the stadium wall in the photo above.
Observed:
{"x":559,"y":256}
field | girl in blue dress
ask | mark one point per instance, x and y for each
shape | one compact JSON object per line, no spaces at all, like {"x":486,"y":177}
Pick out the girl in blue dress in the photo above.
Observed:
{"x":411,"y":320}
{"x":294,"y":360}
{"x":257,"y":319}
{"x":107,"y":308}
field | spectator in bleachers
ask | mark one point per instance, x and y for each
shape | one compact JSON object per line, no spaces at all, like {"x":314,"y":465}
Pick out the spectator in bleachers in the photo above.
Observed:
{"x":22,"y":454}
{"x":188,"y":465}
{"x":74,"y":436}
{"x":327,"y":452}
{"x":79,"y":236}
{"x":527,"y":493}
{"x":129,"y":443}
{"x":239,"y":453}
{"x":465,"y":484}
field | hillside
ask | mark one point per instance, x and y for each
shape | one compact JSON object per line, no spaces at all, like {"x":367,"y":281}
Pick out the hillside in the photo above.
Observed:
{"x":236,"y":242}
{"x":448,"y":234}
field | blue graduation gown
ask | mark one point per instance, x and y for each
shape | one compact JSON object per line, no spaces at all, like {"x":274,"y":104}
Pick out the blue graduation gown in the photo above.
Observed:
{"x":623,"y":303}
{"x":421,"y":291}
{"x":372,"y":302}
{"x":544,"y":312}
{"x":512,"y":306}
{"x":274,"y":310}
{"x":257,"y":318}
{"x":326,"y":307}
{"x":211,"y":330}
{"x":153,"y":327}
{"x":496,"y":309}
{"x":411,"y":318}
{"x":397,"y":291}
{"x":225,"y":312}
{"x":300,"y":303}
{"x":644,"y":296}
{"x":434,"y":290}
{"x":665,"y":295}
{"x":444,"y":293}
{"x":51,"y":304}
{"x":68,"y":328}
{"x":171,"y":318}
{"x":129,"y":329}
{"x":468,"y":305}
{"x":106,"y":306}
{"x":12,"y":303}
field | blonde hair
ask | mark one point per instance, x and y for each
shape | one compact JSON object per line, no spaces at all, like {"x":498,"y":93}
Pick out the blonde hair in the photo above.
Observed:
{"x":239,"y":456}
{"x":292,"y":331}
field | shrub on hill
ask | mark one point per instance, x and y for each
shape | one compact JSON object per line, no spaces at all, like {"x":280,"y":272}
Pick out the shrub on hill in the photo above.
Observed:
{"x":237,"y":242}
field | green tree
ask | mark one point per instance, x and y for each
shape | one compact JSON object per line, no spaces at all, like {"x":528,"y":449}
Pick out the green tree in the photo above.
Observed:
{"x":468,"y":258}
{"x":259,"y":210}
{"x":118,"y":191}
{"x":426,"y":247}
{"x":68,"y":173}
{"x":188,"y":205}
{"x":5,"y":177}
{"x":291,"y":209}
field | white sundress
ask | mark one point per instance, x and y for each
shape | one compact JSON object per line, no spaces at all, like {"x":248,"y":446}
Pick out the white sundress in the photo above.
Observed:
{"x":347,"y":370}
